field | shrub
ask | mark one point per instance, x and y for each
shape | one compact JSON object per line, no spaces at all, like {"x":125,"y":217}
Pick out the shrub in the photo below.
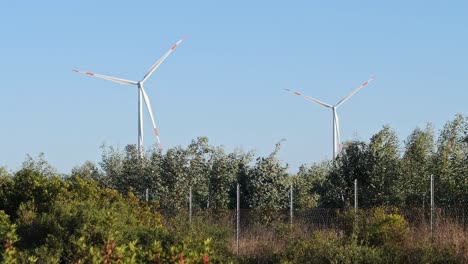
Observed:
{"x":9,"y":238}
{"x":374,"y":227}
{"x":325,"y":247}
{"x":205,"y":226}
{"x":385,"y":229}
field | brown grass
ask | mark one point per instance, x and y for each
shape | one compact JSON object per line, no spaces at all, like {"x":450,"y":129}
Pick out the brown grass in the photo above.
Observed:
{"x":260,"y":242}
{"x":448,"y":233}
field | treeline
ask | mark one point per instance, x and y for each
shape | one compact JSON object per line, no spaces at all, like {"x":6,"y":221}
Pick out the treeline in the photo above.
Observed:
{"x":97,"y":214}
{"x":389,"y":173}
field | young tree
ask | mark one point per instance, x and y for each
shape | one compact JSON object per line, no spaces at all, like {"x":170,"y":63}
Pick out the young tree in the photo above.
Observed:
{"x":111,"y":165}
{"x":266,"y":183}
{"x":417,"y":166}
{"x":88,"y":170}
{"x":385,"y":168}
{"x":351,"y":164}
{"x":199,"y":155}
{"x":308,"y":183}
{"x":224,"y":172}
{"x":40,"y":165}
{"x":450,"y":162}
{"x":175,"y":175}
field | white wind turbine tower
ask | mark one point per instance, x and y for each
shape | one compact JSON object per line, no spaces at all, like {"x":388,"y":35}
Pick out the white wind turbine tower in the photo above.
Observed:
{"x":141,"y":94}
{"x":336,"y":123}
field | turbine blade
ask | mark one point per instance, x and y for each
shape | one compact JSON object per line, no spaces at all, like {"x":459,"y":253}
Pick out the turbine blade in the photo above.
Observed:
{"x":355,"y":91}
{"x":109,"y":78}
{"x":150,"y":111}
{"x":158,"y":62}
{"x":310,"y":98}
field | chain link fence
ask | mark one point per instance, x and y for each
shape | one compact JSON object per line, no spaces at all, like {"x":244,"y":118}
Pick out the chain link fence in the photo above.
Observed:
{"x":267,"y":225}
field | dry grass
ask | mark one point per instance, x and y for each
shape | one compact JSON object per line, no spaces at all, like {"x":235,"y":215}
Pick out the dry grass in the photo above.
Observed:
{"x":257,"y":242}
{"x":448,"y":233}
{"x":261,"y":242}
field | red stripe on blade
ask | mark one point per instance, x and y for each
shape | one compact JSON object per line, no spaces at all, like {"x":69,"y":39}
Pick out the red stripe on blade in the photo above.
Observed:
{"x":364,"y":84}
{"x":90,"y":73}
{"x":156,"y":132}
{"x":174,"y":47}
{"x":296,"y":93}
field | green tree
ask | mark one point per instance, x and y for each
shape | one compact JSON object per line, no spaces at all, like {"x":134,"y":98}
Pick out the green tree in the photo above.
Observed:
{"x":6,"y":187}
{"x":40,"y":165}
{"x":266,"y":183}
{"x":111,"y":165}
{"x":450,"y":162}
{"x":308,"y":183}
{"x":32,"y":187}
{"x":88,"y":170}
{"x":385,"y":168}
{"x":351,"y":164}
{"x":175,"y":175}
{"x":417,"y":166}
{"x":133,"y":176}
{"x":224,"y":173}
{"x":199,"y":153}
{"x":153,"y":175}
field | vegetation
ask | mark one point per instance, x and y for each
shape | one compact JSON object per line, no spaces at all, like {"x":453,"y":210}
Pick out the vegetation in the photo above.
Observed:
{"x":98,"y":213}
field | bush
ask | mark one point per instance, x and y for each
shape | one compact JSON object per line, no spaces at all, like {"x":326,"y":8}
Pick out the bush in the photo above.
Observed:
{"x":205,"y":226}
{"x":8,"y":237}
{"x":384,"y":229}
{"x":330,"y":248}
{"x":374,"y":227}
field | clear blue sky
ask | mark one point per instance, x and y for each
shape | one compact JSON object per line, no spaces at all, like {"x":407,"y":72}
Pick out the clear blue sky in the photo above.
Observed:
{"x":226,"y":80}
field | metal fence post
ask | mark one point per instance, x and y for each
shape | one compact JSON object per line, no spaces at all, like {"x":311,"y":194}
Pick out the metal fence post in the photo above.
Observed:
{"x":190,"y":205}
{"x":291,"y":206}
{"x":432,"y":208}
{"x":147,"y":194}
{"x":237,"y":219}
{"x":355,"y":196}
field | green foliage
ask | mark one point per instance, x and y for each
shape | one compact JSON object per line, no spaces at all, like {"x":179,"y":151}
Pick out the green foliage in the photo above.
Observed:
{"x":88,"y":170}
{"x":84,"y":223}
{"x":30,"y":186}
{"x":351,"y":164}
{"x":8,"y":236}
{"x":374,"y":227}
{"x":325,"y":247}
{"x":383,"y":229}
{"x":451,"y":162}
{"x":308,"y":183}
{"x":39,"y":165}
{"x":205,"y":225}
{"x":387,"y":176}
{"x":385,"y":169}
{"x":329,"y":248}
{"x":266,"y":185}
{"x":417,"y":166}
{"x":98,"y":214}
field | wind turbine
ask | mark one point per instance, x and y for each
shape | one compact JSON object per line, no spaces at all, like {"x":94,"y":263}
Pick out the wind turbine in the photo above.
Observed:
{"x":141,"y":94}
{"x":336,"y":123}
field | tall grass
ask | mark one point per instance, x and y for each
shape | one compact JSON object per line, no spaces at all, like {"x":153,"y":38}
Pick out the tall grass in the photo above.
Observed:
{"x":277,"y":241}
